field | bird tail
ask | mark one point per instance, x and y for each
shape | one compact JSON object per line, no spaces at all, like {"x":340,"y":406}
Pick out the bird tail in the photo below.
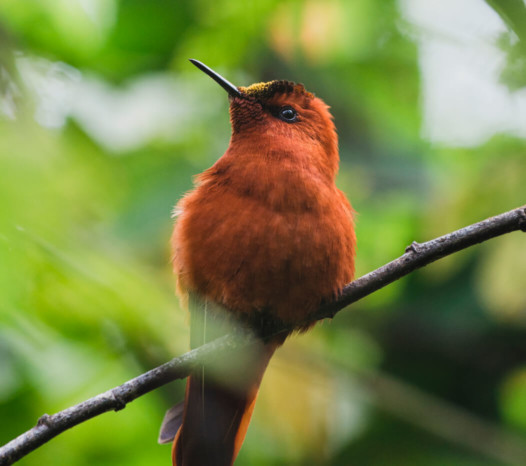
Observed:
{"x":217,"y":411}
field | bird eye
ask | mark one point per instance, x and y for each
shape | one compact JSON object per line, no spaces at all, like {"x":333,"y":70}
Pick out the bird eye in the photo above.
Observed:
{"x":288,"y":114}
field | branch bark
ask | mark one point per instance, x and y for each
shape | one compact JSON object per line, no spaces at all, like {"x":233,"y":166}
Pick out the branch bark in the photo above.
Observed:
{"x":416,"y":256}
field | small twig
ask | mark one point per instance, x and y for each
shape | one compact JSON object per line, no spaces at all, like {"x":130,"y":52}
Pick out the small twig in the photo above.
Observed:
{"x":417,"y":256}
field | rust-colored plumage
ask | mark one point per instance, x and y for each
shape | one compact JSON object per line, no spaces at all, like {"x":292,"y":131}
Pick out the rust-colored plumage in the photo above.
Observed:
{"x":265,"y":236}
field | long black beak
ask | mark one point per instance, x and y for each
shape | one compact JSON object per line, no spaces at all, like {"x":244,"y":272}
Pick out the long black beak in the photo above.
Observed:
{"x":226,"y":85}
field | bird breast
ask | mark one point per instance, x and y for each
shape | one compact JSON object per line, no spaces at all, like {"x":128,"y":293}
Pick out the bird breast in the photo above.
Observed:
{"x":277,"y":242}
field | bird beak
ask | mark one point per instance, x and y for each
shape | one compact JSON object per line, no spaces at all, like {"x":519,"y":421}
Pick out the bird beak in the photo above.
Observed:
{"x":232,"y":90}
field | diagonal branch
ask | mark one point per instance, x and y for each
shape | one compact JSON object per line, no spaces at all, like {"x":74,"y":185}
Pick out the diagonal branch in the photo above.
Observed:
{"x":419,"y":255}
{"x":416,"y":256}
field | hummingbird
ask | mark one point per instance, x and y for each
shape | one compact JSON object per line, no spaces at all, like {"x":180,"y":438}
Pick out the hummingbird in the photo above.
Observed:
{"x":260,"y":242}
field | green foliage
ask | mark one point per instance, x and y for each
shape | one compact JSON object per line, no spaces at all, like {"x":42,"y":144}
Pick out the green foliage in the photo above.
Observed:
{"x":103,"y":123}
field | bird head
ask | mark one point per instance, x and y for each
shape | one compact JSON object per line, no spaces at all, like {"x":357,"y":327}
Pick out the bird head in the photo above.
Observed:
{"x":281,"y":115}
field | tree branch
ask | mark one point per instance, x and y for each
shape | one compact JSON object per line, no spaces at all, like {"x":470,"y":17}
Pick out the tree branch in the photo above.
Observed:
{"x":419,"y":255}
{"x":416,"y":256}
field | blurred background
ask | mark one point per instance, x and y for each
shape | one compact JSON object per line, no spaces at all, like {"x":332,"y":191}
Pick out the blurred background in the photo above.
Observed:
{"x":103,"y":123}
